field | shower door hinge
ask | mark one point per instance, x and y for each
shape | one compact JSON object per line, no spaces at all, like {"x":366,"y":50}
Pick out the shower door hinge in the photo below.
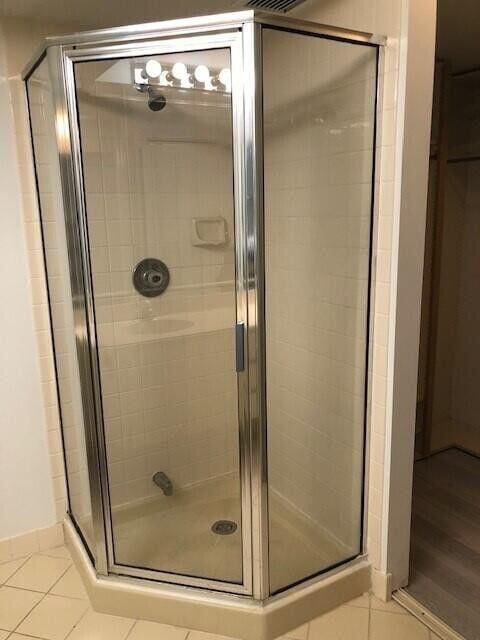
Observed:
{"x":240,"y":346}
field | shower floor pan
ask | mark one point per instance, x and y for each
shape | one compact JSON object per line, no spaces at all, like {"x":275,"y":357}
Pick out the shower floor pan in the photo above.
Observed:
{"x":174,"y":534}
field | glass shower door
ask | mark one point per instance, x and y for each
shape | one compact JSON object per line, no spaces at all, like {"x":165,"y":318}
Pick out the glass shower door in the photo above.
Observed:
{"x":319,"y":123}
{"x":157,"y":155}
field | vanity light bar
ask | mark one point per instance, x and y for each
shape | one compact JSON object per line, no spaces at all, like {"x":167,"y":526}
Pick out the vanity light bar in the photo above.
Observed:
{"x":179,"y":75}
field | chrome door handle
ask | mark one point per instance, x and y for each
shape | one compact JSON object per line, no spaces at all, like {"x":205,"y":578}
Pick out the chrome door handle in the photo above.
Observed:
{"x":240,"y":346}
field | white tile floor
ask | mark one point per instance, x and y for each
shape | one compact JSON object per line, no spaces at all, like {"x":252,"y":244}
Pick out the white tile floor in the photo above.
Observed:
{"x":42,"y":597}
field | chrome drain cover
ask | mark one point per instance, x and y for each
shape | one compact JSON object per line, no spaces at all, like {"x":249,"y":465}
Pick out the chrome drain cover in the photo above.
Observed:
{"x":224,"y":527}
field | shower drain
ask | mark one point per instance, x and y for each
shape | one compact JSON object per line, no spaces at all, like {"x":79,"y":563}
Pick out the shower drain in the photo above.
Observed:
{"x":224,"y":527}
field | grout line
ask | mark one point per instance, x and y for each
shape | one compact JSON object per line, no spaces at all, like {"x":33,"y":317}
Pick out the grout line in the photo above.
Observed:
{"x":392,"y":613}
{"x":57,"y":581}
{"x":10,"y":586}
{"x":29,"y":612}
{"x":78,"y":622}
{"x":308,"y":631}
{"x":26,"y":559}
{"x":369,"y":625}
{"x":47,"y":554}
{"x":26,"y":636}
{"x":37,"y":604}
{"x":30,"y":589}
{"x":134,"y":622}
{"x":131,"y":629}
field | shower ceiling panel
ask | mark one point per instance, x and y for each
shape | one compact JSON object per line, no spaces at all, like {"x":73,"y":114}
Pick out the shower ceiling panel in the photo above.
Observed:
{"x":221,"y":444}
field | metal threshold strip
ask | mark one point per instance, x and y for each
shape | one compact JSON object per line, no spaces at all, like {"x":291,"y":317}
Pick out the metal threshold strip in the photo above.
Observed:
{"x":429,"y":619}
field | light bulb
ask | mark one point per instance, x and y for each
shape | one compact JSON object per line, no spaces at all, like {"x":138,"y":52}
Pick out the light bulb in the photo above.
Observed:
{"x":202,"y":73}
{"x":225,"y":77}
{"x":179,"y":71}
{"x":153,"y":68}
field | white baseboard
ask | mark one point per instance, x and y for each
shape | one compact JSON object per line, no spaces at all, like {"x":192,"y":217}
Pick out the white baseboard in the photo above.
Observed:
{"x":31,"y":542}
{"x":382,"y":585}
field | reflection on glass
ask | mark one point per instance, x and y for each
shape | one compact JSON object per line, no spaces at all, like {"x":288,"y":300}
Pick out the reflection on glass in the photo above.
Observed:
{"x":42,"y":118}
{"x":156,"y":137}
{"x":319,"y":108}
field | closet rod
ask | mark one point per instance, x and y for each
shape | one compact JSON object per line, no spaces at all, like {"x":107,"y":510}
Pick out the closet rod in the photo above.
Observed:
{"x":464,"y":159}
{"x":466,"y":72}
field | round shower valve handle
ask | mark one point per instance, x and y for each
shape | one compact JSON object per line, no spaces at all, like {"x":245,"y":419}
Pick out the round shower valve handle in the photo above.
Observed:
{"x":151,"y":277}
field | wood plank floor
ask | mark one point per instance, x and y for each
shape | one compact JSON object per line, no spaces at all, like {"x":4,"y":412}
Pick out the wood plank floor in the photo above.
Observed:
{"x":445,"y":552}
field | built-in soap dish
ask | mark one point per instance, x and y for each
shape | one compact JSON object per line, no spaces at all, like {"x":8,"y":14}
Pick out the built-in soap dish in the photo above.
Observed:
{"x":209,"y":232}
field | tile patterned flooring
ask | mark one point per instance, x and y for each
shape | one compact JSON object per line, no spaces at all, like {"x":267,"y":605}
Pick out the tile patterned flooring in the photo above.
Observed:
{"x":42,"y":596}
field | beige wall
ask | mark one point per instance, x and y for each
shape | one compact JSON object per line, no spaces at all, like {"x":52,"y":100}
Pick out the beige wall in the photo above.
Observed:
{"x":464,"y":398}
{"x":32,"y":501}
{"x":456,"y":375}
{"x":21,"y":37}
{"x":454,"y":203}
{"x":465,"y":406}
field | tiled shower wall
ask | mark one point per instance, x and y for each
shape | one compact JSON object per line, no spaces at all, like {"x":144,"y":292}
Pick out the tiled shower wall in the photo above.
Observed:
{"x":387,"y":18}
{"x":378,"y":17}
{"x":319,"y":150}
{"x":55,"y":245}
{"x":167,"y":363}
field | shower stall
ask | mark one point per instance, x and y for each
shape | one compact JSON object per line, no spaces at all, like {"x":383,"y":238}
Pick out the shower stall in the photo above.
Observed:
{"x":206,"y":193}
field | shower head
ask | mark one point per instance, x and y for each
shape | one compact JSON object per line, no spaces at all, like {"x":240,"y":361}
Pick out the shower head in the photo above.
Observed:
{"x":156,"y":101}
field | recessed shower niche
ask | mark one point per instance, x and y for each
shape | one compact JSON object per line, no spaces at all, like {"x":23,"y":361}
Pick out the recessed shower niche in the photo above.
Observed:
{"x":213,"y":409}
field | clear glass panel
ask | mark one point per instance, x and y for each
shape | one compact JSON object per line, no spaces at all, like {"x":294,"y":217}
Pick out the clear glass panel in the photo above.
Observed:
{"x":319,"y":109}
{"x":42,"y":119}
{"x":156,"y":138}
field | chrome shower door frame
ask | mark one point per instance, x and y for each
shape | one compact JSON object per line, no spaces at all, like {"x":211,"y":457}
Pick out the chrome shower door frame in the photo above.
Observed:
{"x":72,"y":165}
{"x":241,"y":32}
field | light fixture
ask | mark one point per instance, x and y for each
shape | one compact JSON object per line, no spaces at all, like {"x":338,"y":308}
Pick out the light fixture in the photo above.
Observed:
{"x":179,"y":71}
{"x":202,"y":73}
{"x":180,"y":76}
{"x":153,"y":68}
{"x":225,"y":78}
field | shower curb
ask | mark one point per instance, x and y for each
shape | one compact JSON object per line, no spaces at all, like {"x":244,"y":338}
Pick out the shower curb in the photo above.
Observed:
{"x":223,"y":614}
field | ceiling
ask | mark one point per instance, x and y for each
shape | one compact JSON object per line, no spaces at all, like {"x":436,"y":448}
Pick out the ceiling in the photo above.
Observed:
{"x":94,"y":14}
{"x":458,"y":20}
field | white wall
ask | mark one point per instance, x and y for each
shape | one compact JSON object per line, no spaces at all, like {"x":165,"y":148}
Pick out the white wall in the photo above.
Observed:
{"x":32,"y":488}
{"x":415,"y":89}
{"x":26,"y":495}
{"x":465,"y":409}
